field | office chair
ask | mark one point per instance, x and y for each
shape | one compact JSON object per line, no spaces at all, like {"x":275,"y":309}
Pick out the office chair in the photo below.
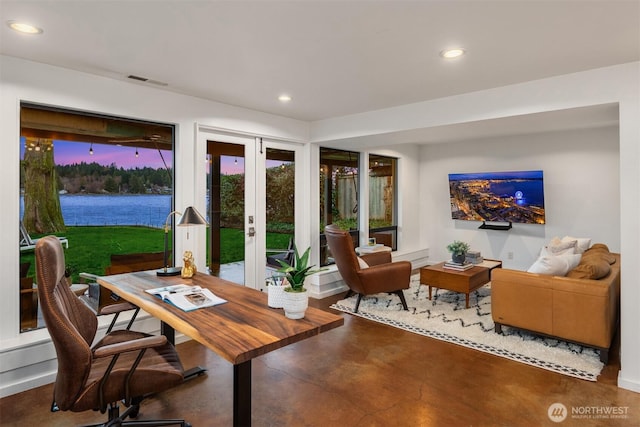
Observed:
{"x":123,"y":366}
{"x":380,"y":274}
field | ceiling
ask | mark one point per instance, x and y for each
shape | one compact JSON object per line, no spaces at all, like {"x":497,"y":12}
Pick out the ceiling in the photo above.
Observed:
{"x":333,"y":58}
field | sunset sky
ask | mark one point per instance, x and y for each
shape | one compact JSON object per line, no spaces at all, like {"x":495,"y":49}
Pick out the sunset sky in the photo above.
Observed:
{"x":68,"y":153}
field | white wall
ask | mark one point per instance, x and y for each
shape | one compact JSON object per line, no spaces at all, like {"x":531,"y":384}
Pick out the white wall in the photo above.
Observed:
{"x":581,"y":184}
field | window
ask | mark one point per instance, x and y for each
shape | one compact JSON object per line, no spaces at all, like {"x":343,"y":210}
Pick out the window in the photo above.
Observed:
{"x":383,"y":200}
{"x":338,"y":195}
{"x":103,"y":183}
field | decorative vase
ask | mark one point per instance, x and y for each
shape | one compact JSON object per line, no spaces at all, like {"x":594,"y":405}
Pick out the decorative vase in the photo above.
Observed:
{"x":295,"y":304}
{"x":275,"y":295}
{"x":458,"y":258}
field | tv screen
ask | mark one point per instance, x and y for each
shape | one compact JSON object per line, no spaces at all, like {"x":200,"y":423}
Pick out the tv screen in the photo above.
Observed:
{"x":516,"y":197}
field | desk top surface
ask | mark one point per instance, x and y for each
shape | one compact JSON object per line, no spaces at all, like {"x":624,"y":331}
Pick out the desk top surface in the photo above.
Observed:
{"x":238,"y":330}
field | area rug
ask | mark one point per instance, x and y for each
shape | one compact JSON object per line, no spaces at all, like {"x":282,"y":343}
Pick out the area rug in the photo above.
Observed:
{"x":446,"y":318}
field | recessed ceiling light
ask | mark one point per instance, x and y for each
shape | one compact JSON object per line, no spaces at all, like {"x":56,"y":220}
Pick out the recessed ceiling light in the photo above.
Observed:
{"x":284,"y":98}
{"x":452,"y":53}
{"x":23,"y":27}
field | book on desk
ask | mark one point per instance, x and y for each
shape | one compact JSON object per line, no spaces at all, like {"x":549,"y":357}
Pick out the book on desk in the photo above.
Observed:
{"x":187,"y":297}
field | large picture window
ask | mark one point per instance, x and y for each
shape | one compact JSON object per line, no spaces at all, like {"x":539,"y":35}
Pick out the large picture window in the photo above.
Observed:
{"x":383,"y":200}
{"x":102,"y":184}
{"x":338,"y":195}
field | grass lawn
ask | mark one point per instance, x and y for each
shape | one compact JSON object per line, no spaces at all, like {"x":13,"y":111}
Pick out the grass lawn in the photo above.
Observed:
{"x":90,"y":248}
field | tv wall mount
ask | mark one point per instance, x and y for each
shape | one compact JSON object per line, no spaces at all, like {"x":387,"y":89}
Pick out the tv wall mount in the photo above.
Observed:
{"x":491,"y":225}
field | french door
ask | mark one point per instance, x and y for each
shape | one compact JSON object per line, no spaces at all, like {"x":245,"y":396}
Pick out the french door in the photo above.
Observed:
{"x":251,"y":203}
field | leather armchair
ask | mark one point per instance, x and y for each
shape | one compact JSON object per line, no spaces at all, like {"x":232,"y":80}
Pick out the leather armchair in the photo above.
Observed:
{"x":382,"y":275}
{"x":123,"y":366}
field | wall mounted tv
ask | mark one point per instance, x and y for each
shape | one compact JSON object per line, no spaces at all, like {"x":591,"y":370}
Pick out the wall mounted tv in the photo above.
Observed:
{"x":503,"y":197}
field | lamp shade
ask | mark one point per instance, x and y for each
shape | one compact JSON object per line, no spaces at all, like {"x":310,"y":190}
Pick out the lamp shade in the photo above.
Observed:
{"x":192,"y":217}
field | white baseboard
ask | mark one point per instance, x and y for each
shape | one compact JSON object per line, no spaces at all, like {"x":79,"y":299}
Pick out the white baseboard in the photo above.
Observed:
{"x":628,"y":384}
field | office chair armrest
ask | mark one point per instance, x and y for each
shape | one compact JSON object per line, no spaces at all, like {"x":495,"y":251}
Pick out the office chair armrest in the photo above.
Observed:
{"x":133,"y":345}
{"x":116,"y":308}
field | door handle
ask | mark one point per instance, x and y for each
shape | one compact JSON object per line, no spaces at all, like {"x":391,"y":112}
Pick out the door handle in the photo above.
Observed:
{"x":252,"y":232}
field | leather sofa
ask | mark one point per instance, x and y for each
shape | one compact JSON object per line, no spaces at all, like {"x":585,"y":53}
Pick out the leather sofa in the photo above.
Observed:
{"x":577,"y":307}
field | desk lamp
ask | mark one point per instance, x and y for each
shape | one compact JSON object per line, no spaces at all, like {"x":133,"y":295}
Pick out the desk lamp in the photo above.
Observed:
{"x":190,"y":217}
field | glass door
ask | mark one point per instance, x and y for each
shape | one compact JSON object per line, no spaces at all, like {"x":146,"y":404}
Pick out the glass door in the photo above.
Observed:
{"x":251,"y":205}
{"x":226,"y":193}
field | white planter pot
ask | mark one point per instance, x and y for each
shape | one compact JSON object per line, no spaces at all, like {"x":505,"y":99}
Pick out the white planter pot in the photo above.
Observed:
{"x":275,"y":296}
{"x":295,"y":304}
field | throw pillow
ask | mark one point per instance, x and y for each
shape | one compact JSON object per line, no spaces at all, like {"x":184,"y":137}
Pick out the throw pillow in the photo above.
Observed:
{"x":557,"y":245}
{"x":590,"y":269}
{"x":546,"y":251}
{"x":363,"y":263}
{"x":582,"y":244}
{"x":555,"y":265}
{"x":600,"y":252}
{"x":550,"y":265}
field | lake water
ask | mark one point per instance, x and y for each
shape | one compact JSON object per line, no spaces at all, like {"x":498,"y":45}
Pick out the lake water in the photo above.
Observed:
{"x":122,"y":209}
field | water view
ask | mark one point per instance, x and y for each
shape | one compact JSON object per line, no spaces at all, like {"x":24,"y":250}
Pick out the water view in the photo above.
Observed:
{"x":149,"y":210}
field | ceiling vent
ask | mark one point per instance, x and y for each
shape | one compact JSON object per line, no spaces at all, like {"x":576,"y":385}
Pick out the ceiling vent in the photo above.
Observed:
{"x":146,"y":80}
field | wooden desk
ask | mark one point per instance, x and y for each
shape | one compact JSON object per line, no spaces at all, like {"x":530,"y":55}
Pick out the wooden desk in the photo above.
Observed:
{"x":239,"y":330}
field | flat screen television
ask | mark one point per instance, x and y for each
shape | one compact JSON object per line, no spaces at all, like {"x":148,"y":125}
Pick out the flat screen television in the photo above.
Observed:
{"x":514,"y":197}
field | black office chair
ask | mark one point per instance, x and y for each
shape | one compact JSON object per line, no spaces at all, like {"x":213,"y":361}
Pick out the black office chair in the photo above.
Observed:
{"x":124,"y":366}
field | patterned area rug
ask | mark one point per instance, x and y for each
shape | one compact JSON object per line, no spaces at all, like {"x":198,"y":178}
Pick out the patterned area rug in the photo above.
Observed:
{"x":445,"y":318}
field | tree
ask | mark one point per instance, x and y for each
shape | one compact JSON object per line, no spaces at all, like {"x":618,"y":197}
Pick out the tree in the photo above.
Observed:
{"x":42,"y":213}
{"x":110,"y":185}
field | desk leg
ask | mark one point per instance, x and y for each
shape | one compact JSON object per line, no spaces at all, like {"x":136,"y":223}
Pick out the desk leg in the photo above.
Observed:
{"x":242,"y":394}
{"x":170,"y":333}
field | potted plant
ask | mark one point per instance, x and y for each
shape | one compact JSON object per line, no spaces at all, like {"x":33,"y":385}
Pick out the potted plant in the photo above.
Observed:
{"x":295,"y":299}
{"x":458,"y":251}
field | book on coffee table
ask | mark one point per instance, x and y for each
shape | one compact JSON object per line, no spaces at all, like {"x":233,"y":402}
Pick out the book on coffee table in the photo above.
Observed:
{"x":456,"y":266}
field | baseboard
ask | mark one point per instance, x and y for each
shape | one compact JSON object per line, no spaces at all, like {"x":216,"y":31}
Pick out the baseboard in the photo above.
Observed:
{"x":628,"y":384}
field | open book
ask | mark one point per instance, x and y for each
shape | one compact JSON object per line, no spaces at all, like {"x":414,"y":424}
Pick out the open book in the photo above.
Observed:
{"x":187,"y":297}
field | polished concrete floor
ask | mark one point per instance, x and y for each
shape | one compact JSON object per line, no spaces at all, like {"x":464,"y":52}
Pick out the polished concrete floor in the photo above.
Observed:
{"x":366,"y":374}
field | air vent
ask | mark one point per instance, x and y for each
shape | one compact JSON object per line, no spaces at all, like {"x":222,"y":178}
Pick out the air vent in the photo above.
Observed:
{"x":146,"y":80}
{"x":142,"y":79}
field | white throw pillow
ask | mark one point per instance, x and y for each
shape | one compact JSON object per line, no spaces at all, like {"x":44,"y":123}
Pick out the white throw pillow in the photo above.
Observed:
{"x":583,"y":243}
{"x":555,"y":265}
{"x":557,"y":245}
{"x":572,"y":261}
{"x":546,"y":251}
{"x":363,"y":263}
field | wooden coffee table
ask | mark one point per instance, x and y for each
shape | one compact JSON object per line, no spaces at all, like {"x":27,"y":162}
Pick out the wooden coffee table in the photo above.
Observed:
{"x":465,"y":281}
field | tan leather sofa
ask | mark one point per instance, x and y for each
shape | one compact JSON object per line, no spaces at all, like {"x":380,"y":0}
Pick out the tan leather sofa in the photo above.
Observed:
{"x":572,"y":308}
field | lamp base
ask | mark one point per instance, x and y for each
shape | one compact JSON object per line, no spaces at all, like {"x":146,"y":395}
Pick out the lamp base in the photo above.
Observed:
{"x":169,"y":271}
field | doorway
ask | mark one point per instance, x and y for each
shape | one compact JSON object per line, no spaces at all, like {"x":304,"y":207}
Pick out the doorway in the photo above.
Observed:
{"x":251,"y":204}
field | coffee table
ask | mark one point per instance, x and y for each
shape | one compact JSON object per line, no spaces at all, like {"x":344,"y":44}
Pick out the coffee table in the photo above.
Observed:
{"x":465,"y":281}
